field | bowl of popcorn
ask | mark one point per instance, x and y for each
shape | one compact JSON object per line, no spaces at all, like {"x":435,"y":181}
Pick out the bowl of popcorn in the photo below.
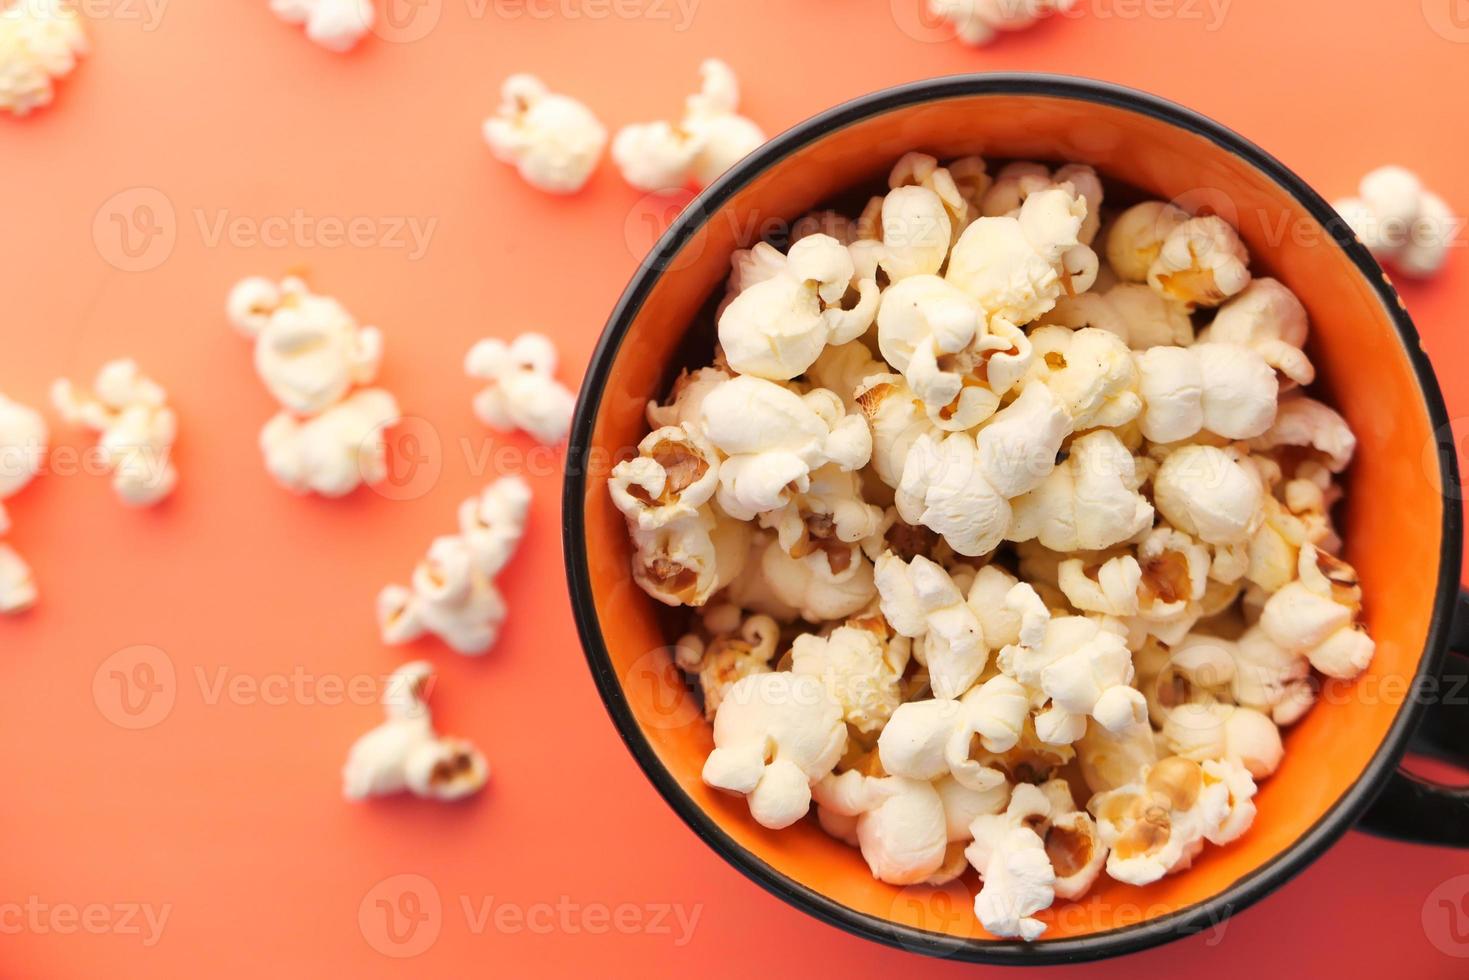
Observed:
{"x":1007,"y":520}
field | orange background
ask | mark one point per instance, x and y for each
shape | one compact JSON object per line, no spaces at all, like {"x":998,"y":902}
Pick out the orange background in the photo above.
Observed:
{"x":225,"y":811}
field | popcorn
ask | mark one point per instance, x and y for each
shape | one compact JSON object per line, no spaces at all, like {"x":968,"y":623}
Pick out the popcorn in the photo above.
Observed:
{"x":453,"y":595}
{"x":775,"y":735}
{"x":852,"y":665}
{"x":1400,"y":221}
{"x":774,"y":439}
{"x":674,"y":474}
{"x":921,"y":321}
{"x":1109,"y":760}
{"x":711,"y":138}
{"x":916,"y":233}
{"x":1224,"y":732}
{"x":1079,"y":669}
{"x":309,"y":350}
{"x":1303,"y":421}
{"x":1157,"y":825}
{"x":553,"y":140}
{"x":1135,"y":238}
{"x":523,"y":391}
{"x":944,"y":488}
{"x":1088,"y":502}
{"x":336,"y":25}
{"x":1201,"y":262}
{"x":1017,"y":267}
{"x":1111,"y":589}
{"x":896,"y":419}
{"x":1271,"y":679}
{"x":816,"y":586}
{"x":829,"y":516}
{"x":900,"y":823}
{"x":336,"y":451}
{"x":1173,"y":582}
{"x":1142,"y":318}
{"x":1267,"y":318}
{"x":1018,"y":448}
{"x":960,"y":738}
{"x":404,"y":753}
{"x":17,"y":586}
{"x":920,"y":600}
{"x":23,"y":438}
{"x":777,"y":327}
{"x":1316,"y":616}
{"x":1210,"y":493}
{"x":1091,"y":372}
{"x":39,"y":43}
{"x":686,"y":403}
{"x":136,"y":428}
{"x":739,"y":647}
{"x":1224,"y":388}
{"x":844,"y":368}
{"x":980,"y":21}
{"x":1039,"y":849}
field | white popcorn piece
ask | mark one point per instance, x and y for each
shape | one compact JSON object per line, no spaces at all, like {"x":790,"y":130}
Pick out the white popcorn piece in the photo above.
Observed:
{"x":1110,"y":760}
{"x":777,"y":327}
{"x":1112,"y":588}
{"x":685,"y":404}
{"x":1224,"y":732}
{"x":1400,"y":221}
{"x":551,"y":139}
{"x":1135,"y":238}
{"x":675,"y":473}
{"x":1141,"y":317}
{"x":775,"y":735}
{"x":1018,"y":448}
{"x":896,"y":419}
{"x":829,"y":516}
{"x":453,"y":595}
{"x":1174,"y":580}
{"x":523,"y":392}
{"x":737,"y":647}
{"x":309,"y":350}
{"x":1267,"y":318}
{"x":1091,"y":372}
{"x":1017,"y":267}
{"x":1202,"y":262}
{"x":1210,"y":493}
{"x":900,"y":823}
{"x":1303,"y":421}
{"x":821,"y":586}
{"x":916,"y":233}
{"x":1316,"y":616}
{"x":336,"y":25}
{"x":844,"y":369}
{"x":1016,"y":181}
{"x":404,"y":753}
{"x":711,"y":138}
{"x":686,"y":562}
{"x":959,"y":186}
{"x":335,"y":452}
{"x":1078,"y":670}
{"x":981,"y":21}
{"x":1040,"y":849}
{"x":774,"y":439}
{"x":1271,"y":679}
{"x":957,"y":737}
{"x":1088,"y":502}
{"x":920,"y":600}
{"x":23,"y":439}
{"x":1157,"y":825}
{"x":136,"y":429}
{"x":1224,"y":388}
{"x":40,"y":41}
{"x":17,"y":586}
{"x":921,"y":321}
{"x":962,"y":804}
{"x":852,"y":665}
{"x":987,"y":597}
{"x":944,"y":488}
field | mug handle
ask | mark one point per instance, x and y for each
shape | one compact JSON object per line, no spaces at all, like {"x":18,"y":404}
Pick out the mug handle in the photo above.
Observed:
{"x":1415,"y":809}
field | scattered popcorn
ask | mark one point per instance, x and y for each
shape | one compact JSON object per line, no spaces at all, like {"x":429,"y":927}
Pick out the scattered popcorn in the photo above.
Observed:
{"x":1400,"y":221}
{"x":310,"y":352}
{"x":17,"y":587}
{"x":980,"y":21}
{"x":39,"y":43}
{"x":553,"y":140}
{"x":405,"y":753}
{"x":23,"y":438}
{"x":775,"y":735}
{"x":336,"y":25}
{"x":137,"y":428}
{"x":523,"y":391}
{"x":711,"y":138}
{"x":453,"y":595}
{"x":970,"y":516}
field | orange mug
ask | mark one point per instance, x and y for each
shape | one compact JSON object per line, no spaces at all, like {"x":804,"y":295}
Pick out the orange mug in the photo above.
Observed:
{"x":1401,"y":517}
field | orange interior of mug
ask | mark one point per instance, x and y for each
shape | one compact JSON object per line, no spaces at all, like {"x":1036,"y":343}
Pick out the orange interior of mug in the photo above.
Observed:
{"x":1391,"y":519}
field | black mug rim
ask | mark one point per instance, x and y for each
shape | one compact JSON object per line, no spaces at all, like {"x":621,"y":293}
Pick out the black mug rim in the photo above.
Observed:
{"x":1114,"y":942}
